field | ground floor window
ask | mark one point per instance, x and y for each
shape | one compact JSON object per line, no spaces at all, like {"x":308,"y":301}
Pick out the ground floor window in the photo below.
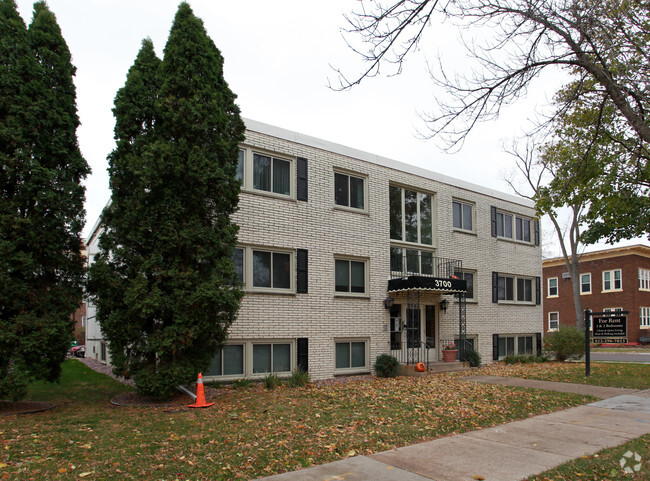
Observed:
{"x":254,"y":359}
{"x":644,"y":315}
{"x":351,"y":355}
{"x":102,"y":351}
{"x":553,"y":321}
{"x":519,"y":345}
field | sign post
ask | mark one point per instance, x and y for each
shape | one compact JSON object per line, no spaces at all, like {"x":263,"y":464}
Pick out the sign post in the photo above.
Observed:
{"x":587,"y":343}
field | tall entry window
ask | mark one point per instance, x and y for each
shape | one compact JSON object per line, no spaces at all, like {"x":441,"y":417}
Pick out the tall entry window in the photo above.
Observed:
{"x":411,"y":216}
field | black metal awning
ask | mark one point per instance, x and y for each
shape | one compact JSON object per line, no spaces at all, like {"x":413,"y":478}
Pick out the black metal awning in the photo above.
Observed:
{"x":424,"y":283}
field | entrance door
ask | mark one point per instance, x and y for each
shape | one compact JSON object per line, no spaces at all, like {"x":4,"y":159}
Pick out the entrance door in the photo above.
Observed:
{"x":413,"y":330}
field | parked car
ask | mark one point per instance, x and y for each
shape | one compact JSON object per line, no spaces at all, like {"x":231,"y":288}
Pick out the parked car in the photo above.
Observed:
{"x":78,"y":351}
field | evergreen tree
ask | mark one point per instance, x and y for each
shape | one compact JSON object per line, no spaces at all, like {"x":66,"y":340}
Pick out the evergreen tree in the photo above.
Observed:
{"x":41,"y":213}
{"x":163,"y":284}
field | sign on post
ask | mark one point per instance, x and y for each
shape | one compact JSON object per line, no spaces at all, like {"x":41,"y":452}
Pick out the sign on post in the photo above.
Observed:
{"x":609,"y":327}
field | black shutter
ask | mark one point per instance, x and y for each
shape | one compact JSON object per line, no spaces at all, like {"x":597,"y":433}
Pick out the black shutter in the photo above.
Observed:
{"x":538,"y":336}
{"x":495,"y":287}
{"x":495,"y":347}
{"x":302,"y":271}
{"x":493,"y":218}
{"x":302,"y":354}
{"x":538,"y":290}
{"x":536,"y":232}
{"x":301,"y":171}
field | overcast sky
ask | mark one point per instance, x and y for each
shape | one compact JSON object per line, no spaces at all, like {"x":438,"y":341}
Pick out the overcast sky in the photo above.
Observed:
{"x":278,"y":58}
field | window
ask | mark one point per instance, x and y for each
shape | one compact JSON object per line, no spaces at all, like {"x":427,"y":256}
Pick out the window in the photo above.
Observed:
{"x":261,"y":269}
{"x":349,"y":191}
{"x":229,"y":361}
{"x":411,"y":216}
{"x":515,"y":289}
{"x":644,"y":316}
{"x":411,"y":261}
{"x":468,"y":277}
{"x":644,"y":279}
{"x":271,"y":269}
{"x":265,"y":173}
{"x":585,"y":283}
{"x":552,"y":287}
{"x":350,"y":276}
{"x":462,"y":213}
{"x":271,"y":358}
{"x":612,"y":280}
{"x":102,"y":351}
{"x":351,"y":355}
{"x":553,"y":321}
{"x":511,"y":226}
{"x":515,"y":345}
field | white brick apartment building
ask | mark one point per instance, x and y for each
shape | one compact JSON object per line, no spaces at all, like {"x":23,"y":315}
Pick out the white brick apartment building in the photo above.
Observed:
{"x":328,"y":233}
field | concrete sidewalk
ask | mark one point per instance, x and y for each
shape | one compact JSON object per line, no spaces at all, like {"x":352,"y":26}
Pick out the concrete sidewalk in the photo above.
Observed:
{"x":509,"y":452}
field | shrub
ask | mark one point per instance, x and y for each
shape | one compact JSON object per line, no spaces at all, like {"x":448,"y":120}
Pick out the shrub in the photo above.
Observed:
{"x":299,"y":378}
{"x":271,"y":381}
{"x":474,"y":358}
{"x":386,"y":366}
{"x":566,"y":343}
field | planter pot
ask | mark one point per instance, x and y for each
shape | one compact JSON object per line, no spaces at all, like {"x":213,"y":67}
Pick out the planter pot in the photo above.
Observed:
{"x":449,"y":355}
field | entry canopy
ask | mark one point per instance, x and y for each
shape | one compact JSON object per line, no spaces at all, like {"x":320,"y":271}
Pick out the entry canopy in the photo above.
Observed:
{"x":423,"y":283}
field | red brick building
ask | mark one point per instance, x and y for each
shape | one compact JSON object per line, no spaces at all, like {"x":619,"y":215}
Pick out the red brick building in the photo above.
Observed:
{"x":612,"y":279}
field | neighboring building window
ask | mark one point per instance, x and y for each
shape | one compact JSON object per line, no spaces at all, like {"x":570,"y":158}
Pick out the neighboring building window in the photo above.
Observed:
{"x":553,"y":321}
{"x":644,"y":279}
{"x":552,"y":287}
{"x":512,"y":226}
{"x":411,"y":216}
{"x":351,"y":355}
{"x":515,"y":289}
{"x":349,"y":191}
{"x":271,"y":358}
{"x":585,"y":283}
{"x":612,"y":280}
{"x":644,"y":316}
{"x":350,"y":276}
{"x":411,"y":261}
{"x":515,"y":345}
{"x":463,"y":215}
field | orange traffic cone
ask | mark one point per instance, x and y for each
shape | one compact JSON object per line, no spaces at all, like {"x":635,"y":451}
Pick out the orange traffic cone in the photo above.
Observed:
{"x":200,"y":395}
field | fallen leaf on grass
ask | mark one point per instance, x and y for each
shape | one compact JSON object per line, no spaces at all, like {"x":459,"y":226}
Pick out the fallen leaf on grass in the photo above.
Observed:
{"x":478,"y":477}
{"x":3,"y":465}
{"x":87,"y":473}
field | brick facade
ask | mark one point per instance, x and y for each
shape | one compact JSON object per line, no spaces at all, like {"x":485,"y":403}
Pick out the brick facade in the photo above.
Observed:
{"x":631,"y":296}
{"x":325,"y":317}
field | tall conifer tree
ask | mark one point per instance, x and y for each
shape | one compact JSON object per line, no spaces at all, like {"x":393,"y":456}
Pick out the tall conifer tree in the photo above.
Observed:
{"x":41,"y":213}
{"x":163,"y":285}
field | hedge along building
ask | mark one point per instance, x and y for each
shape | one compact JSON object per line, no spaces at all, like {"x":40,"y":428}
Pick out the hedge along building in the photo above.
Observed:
{"x":345,"y":255}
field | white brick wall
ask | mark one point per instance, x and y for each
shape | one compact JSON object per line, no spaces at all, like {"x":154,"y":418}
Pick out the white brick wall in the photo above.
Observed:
{"x":326,"y":231}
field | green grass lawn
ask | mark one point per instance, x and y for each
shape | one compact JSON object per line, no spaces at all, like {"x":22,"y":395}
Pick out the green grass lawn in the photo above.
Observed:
{"x":249,"y":432}
{"x":605,"y":465}
{"x":626,"y":375}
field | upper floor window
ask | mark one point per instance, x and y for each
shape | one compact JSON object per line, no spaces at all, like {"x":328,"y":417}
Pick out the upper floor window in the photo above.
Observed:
{"x":265,"y":172}
{"x":644,"y":279}
{"x":463,"y":215}
{"x":515,"y":289}
{"x":350,"y":276}
{"x":515,"y":227}
{"x":411,"y":216}
{"x":262,"y":269}
{"x":552,"y":287}
{"x":468,"y":277}
{"x":411,"y":261}
{"x":349,"y":190}
{"x":585,"y":283}
{"x":612,"y":280}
